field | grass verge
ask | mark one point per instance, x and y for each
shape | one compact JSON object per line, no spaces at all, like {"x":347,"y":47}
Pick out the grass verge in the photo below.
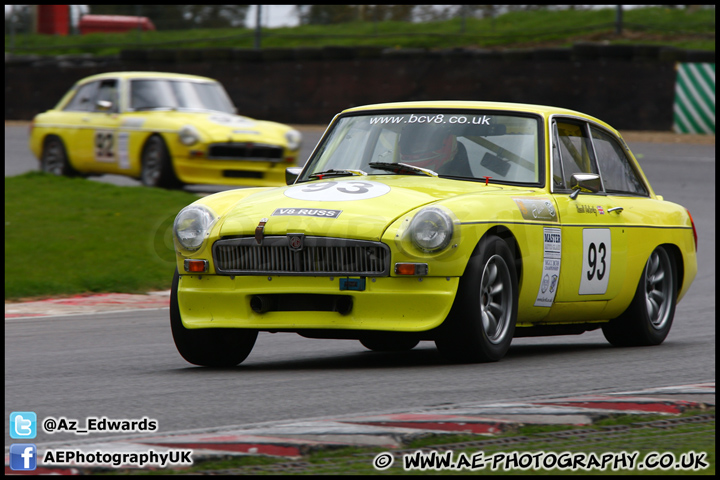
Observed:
{"x":681,"y":28}
{"x":70,"y":236}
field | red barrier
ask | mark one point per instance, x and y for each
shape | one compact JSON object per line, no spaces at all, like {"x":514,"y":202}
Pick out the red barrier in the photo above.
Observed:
{"x":113,"y":23}
{"x":53,"y":19}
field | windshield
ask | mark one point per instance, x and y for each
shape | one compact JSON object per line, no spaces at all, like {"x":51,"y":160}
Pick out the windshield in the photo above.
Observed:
{"x":505,"y":147}
{"x":148,"y":94}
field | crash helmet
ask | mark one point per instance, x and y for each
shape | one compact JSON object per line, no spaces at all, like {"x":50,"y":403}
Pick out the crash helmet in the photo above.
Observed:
{"x":427,"y":145}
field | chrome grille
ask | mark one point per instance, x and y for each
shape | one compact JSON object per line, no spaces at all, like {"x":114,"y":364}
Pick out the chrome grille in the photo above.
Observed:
{"x":320,"y":256}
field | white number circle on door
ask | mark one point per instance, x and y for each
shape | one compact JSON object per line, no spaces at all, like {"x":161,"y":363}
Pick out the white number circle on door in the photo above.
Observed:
{"x":337,"y":191}
{"x":597,"y":256}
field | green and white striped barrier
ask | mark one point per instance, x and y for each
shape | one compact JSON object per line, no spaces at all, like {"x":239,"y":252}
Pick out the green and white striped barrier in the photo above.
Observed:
{"x":694,"y":109}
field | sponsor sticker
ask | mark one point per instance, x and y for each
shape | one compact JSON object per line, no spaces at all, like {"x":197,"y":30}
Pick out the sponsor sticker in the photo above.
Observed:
{"x":132,"y":122}
{"x":306,"y":212}
{"x":541,"y":209}
{"x":123,"y":148}
{"x":552,"y":239}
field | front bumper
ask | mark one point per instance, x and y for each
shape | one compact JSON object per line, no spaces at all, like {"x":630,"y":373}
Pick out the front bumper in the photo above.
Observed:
{"x":231,"y":172}
{"x":406,"y":304}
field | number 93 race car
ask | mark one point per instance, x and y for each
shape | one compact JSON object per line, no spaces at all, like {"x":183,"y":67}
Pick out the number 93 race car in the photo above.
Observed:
{"x":165,"y":129}
{"x":463,"y":223}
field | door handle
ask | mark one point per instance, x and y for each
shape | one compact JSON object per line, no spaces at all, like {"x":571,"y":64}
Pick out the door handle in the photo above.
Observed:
{"x":615,"y":209}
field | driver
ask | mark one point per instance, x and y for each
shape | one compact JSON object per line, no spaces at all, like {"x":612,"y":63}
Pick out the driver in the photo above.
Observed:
{"x":427,"y":146}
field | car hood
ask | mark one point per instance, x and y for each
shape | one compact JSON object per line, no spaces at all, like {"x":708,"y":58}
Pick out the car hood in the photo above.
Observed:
{"x":353,"y":207}
{"x":218,"y":126}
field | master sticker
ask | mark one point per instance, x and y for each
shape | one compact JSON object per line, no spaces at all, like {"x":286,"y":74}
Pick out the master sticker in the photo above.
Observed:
{"x":552,"y":253}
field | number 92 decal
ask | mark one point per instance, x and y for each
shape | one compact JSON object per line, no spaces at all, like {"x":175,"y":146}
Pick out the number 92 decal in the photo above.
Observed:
{"x":597,"y":249}
{"x":104,"y":146}
{"x":337,"y":191}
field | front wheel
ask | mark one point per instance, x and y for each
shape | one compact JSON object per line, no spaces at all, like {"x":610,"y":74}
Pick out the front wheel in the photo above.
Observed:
{"x":482,"y":321}
{"x":208,"y":347}
{"x":648,"y":319}
{"x":157,"y":169}
{"x":54,"y":158}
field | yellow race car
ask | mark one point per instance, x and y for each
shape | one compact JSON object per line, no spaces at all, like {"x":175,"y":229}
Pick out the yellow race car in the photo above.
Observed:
{"x":464,"y":223}
{"x":165,"y":129}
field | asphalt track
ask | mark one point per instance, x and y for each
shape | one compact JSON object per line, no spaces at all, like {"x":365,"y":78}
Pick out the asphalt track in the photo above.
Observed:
{"x":122,"y":363}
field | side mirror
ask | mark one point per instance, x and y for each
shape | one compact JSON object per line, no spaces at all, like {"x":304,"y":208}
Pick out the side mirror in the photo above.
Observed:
{"x":291,"y":174}
{"x":104,"y":105}
{"x":584,"y":182}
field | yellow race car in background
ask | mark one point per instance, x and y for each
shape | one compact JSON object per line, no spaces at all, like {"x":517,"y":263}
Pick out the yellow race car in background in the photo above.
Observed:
{"x":465,"y":223}
{"x":165,"y":129}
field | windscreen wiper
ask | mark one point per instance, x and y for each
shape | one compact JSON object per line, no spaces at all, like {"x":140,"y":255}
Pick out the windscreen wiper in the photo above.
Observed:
{"x":403,"y":169}
{"x":338,"y":173}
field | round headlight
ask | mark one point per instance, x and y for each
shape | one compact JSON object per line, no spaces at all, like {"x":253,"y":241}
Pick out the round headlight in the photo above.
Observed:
{"x":431,"y":229}
{"x":294,"y":139}
{"x":192,"y":226}
{"x":189,"y":135}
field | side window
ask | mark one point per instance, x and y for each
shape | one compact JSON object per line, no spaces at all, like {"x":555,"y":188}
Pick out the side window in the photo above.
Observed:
{"x":575,"y":152}
{"x":107,"y":92}
{"x":84,"y":99}
{"x":616,"y":170}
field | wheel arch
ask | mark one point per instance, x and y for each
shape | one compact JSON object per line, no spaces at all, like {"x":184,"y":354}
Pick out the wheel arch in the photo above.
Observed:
{"x":506,"y":235}
{"x":54,"y":136}
{"x":72,"y":170}
{"x":677,"y":259}
{"x":169,"y":180}
{"x":148,"y":137}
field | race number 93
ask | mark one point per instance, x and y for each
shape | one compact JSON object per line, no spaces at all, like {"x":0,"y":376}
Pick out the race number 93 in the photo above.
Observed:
{"x":597,"y":249}
{"x":337,"y":191}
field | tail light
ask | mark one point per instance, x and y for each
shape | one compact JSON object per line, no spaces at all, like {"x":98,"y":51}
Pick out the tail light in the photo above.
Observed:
{"x":693,"y":225}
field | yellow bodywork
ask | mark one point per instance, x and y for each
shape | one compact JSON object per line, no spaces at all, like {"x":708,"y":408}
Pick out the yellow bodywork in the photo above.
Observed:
{"x":401,"y":303}
{"x":125,"y":134}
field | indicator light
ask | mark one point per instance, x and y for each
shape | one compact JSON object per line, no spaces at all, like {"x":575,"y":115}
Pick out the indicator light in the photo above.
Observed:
{"x":196,"y":266}
{"x":414,"y":269}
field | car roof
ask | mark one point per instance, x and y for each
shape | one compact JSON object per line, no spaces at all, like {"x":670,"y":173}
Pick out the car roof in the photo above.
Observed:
{"x":544,"y":110}
{"x":127,"y":75}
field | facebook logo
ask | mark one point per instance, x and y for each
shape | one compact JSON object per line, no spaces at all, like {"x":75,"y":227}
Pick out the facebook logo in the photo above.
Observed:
{"x":23,"y":425}
{"x":23,"y":456}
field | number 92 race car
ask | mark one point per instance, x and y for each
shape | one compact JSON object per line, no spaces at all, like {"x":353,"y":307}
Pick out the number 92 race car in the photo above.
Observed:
{"x":464,"y":223}
{"x":165,"y":129}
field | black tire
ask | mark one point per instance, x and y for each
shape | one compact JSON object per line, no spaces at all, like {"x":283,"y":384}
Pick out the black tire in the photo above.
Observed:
{"x":54,"y":158}
{"x":648,"y":319}
{"x":208,"y":347}
{"x":157,"y":169}
{"x":482,"y":321}
{"x":390,"y":342}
